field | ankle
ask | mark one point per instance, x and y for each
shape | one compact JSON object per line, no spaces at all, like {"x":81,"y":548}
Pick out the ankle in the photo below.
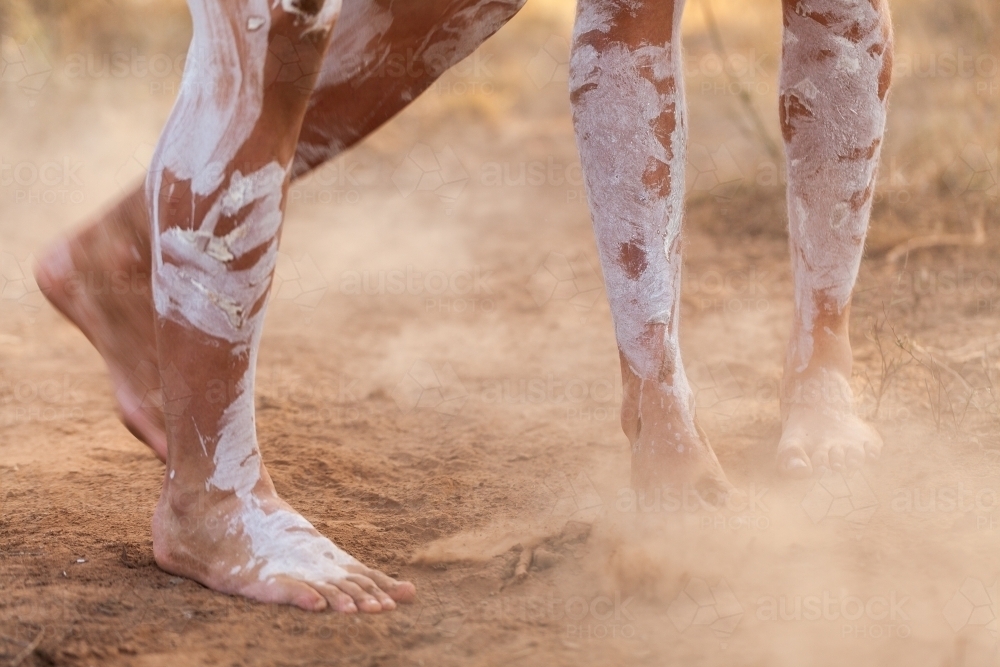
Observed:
{"x":189,"y":492}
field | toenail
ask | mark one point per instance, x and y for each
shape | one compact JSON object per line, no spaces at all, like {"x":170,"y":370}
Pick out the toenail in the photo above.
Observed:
{"x":795,"y":463}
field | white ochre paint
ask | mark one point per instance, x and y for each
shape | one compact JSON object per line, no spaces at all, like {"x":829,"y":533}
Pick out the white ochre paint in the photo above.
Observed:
{"x":360,"y":49}
{"x":195,"y":283}
{"x":834,"y":149}
{"x":621,"y":90}
{"x":321,"y":21}
{"x":613,"y":121}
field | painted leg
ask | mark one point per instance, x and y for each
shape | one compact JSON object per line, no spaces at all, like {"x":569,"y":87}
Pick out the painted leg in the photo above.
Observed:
{"x":836,"y":65}
{"x":628,"y":109}
{"x":359,"y":89}
{"x":216,"y":190}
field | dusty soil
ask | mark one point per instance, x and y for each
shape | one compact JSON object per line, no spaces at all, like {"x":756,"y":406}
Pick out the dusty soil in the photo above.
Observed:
{"x":438,"y":392}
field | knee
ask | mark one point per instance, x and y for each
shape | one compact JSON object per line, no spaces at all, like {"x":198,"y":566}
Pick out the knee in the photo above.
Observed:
{"x":632,"y":24}
{"x":643,"y":34}
{"x":829,"y":35}
{"x":862,"y":25}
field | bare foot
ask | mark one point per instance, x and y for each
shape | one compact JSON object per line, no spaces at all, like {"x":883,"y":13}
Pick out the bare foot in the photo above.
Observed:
{"x":669,"y":449}
{"x":99,"y":280}
{"x":820,"y":429}
{"x":259,"y":547}
{"x":819,"y":426}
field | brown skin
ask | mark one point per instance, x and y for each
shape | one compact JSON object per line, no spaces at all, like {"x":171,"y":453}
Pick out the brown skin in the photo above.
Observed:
{"x":187,"y":538}
{"x":669,"y":450}
{"x":820,"y":429}
{"x":202,"y":531}
{"x":123,"y":327}
{"x":120,"y":324}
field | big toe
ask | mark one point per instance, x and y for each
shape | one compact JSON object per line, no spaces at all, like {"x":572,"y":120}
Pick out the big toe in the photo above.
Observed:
{"x":286,"y":590}
{"x":794,"y":462}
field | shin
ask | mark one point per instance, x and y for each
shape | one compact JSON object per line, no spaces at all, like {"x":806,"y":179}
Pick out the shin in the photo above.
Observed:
{"x":628,"y":110}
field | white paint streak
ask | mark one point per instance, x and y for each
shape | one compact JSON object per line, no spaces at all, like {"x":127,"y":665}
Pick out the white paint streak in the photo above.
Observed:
{"x":355,"y":45}
{"x":220,"y":96}
{"x":237,"y":458}
{"x":833,"y":154}
{"x":614,"y":122}
{"x":194,"y":283}
{"x":284,"y":543}
{"x":360,"y":49}
{"x":321,"y":21}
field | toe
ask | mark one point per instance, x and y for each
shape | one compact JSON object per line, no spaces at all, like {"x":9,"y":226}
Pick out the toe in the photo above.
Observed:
{"x":403,"y":591}
{"x":310,"y":600}
{"x":821,"y":459}
{"x":872,"y":452}
{"x":400,"y":591}
{"x":837,"y":458}
{"x":338,"y":599}
{"x":369,"y":586}
{"x":714,"y":492}
{"x":873,"y":449}
{"x":285,"y":590}
{"x":855,"y":458}
{"x":793,"y":462}
{"x":365,"y":601}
